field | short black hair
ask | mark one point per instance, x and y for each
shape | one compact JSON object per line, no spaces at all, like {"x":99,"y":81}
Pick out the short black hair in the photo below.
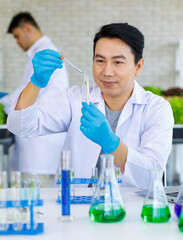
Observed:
{"x":127,"y":33}
{"x":20,"y":19}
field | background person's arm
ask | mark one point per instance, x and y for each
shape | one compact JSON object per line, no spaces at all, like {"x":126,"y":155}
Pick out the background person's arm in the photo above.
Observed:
{"x":28,"y":96}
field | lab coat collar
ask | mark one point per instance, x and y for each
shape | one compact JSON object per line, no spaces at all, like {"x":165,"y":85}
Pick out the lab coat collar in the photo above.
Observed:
{"x":138,"y":97}
{"x":36,"y":46}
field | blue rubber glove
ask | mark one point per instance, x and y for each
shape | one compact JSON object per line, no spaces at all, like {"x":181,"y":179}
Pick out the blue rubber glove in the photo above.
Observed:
{"x":3,"y":94}
{"x":45,"y":63}
{"x":95,"y":126}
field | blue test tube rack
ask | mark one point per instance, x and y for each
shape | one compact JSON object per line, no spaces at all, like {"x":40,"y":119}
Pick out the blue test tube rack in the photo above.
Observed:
{"x":80,"y":199}
{"x":22,"y":204}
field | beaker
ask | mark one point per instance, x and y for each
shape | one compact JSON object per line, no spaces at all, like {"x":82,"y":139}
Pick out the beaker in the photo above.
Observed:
{"x":155,"y":208}
{"x":107,"y":204}
{"x":179,"y":202}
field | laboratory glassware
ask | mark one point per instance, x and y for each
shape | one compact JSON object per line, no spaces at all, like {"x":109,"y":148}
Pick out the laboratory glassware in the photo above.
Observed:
{"x":107,"y":204}
{"x":65,"y":185}
{"x":180,"y":222}
{"x":3,"y":198}
{"x":94,"y":177}
{"x":155,"y":208}
{"x":32,"y":194}
{"x":17,"y":213}
{"x":85,"y":78}
{"x":179,"y":201}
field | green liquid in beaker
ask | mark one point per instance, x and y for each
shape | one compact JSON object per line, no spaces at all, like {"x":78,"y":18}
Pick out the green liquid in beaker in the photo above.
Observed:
{"x":156,"y":214}
{"x":106,"y":213}
{"x":180,"y":224}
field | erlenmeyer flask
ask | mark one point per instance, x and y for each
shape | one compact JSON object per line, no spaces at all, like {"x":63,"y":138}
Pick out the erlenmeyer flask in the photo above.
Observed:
{"x":179,"y":201}
{"x":155,"y":208}
{"x":107,"y":205}
{"x":180,"y":222}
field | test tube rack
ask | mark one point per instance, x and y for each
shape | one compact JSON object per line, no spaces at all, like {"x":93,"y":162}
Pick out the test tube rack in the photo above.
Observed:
{"x":23,"y":204}
{"x":81,"y":199}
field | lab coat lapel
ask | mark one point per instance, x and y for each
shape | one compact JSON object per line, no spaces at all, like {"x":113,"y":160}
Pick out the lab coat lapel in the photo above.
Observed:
{"x":98,"y":100}
{"x":138,"y":97}
{"x":125,"y":113}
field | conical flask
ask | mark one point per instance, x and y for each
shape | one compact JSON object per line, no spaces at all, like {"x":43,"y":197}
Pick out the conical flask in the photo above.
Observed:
{"x":180,"y":222}
{"x":107,"y":204}
{"x":155,"y":208}
{"x":179,"y":202}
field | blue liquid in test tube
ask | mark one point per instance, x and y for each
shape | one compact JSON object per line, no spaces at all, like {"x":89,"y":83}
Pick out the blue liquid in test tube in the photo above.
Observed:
{"x":65,"y":187}
{"x":65,"y":192}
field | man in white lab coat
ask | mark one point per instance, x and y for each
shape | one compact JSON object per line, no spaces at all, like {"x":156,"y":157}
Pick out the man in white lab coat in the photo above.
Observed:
{"x":39,"y":155}
{"x":121,"y":118}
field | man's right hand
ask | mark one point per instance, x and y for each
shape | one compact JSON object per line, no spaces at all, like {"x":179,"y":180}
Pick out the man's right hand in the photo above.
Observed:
{"x":45,"y":63}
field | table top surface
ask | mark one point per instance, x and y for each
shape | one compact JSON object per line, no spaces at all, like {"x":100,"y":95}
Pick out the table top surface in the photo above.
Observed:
{"x":131,"y":227}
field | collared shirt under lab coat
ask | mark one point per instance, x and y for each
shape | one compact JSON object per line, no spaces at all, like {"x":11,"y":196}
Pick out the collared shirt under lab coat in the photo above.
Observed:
{"x":41,"y":154}
{"x":145,"y":126}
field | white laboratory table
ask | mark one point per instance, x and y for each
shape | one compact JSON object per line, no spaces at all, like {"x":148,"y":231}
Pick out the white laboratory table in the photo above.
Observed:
{"x":131,"y":227}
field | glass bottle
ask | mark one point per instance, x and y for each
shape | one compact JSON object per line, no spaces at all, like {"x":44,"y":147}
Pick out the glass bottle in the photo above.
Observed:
{"x":155,"y":208}
{"x":179,"y":202}
{"x":107,"y":204}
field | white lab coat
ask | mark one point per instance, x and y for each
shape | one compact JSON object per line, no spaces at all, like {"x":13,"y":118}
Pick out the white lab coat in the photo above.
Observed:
{"x":145,"y":126}
{"x":41,"y":154}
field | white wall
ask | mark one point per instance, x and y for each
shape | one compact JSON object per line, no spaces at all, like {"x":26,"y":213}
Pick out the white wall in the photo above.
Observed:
{"x":71,"y":24}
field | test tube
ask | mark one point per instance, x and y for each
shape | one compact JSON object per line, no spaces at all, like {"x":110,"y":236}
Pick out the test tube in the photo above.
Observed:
{"x":16,"y":200}
{"x":86,"y":86}
{"x":65,"y":178}
{"x":95,"y":177}
{"x":33,"y":195}
{"x":3,"y":198}
{"x":72,"y":191}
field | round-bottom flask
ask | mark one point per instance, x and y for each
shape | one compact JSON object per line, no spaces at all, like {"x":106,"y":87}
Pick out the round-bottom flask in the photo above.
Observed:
{"x":107,"y":205}
{"x":155,"y":208}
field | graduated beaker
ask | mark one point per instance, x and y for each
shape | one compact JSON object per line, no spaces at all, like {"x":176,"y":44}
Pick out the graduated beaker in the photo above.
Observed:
{"x":155,"y":208}
{"x":107,"y":204}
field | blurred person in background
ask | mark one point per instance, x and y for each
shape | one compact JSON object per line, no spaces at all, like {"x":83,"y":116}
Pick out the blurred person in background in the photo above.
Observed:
{"x":38,"y":155}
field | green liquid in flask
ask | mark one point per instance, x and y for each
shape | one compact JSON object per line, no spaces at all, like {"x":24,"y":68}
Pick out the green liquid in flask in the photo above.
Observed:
{"x":156,"y":214}
{"x":106,"y":213}
{"x":180,"y":224}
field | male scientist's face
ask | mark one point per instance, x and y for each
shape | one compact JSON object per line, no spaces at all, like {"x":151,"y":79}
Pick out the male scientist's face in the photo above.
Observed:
{"x":22,"y":35}
{"x":114,"y":68}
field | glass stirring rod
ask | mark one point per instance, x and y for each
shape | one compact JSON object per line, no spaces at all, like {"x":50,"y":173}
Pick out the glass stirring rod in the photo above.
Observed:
{"x":85,"y":77}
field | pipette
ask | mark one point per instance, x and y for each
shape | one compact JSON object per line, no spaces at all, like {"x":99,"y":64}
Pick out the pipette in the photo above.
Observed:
{"x":85,"y":77}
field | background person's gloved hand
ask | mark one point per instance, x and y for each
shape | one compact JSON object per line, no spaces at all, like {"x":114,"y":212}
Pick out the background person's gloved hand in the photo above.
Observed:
{"x":95,"y":126}
{"x":3,"y":94}
{"x":45,"y":63}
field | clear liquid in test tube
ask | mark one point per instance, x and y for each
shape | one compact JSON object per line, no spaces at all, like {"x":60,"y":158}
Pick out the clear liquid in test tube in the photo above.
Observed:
{"x":3,"y":198}
{"x":86,"y":86}
{"x":16,"y":211}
